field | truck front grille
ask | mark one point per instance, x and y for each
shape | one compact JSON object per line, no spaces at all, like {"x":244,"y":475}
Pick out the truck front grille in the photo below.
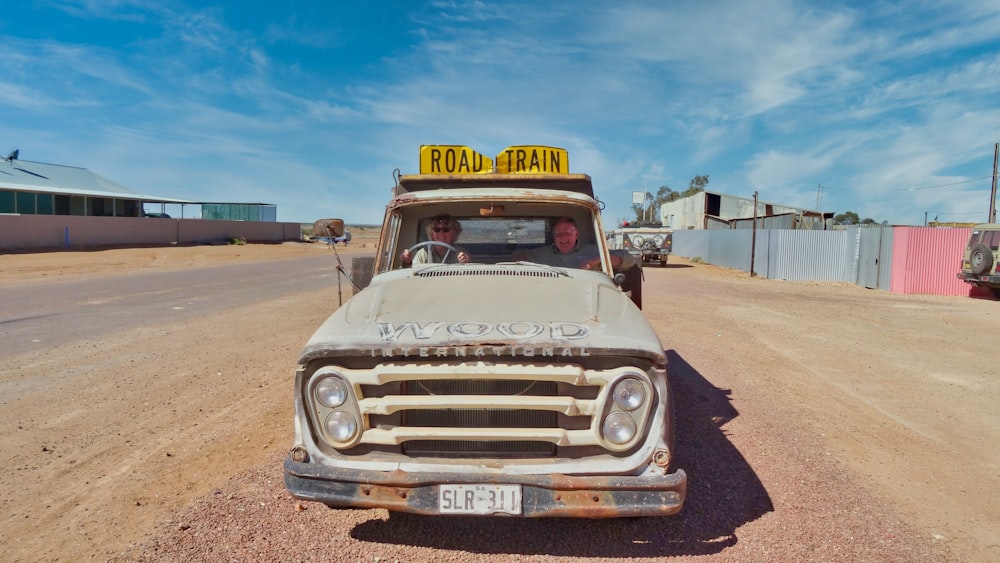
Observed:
{"x":482,"y":409}
{"x":479,"y":418}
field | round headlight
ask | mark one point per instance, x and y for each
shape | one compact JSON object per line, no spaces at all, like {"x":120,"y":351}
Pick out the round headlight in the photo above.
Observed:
{"x":619,"y":428}
{"x":638,"y":240}
{"x":331,"y":392}
{"x":629,"y":394}
{"x":658,"y":240}
{"x":341,"y":426}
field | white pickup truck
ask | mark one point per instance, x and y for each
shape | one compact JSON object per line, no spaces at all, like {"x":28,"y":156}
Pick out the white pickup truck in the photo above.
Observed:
{"x":501,"y":385}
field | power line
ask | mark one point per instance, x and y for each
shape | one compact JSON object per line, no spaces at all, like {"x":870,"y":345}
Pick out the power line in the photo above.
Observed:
{"x":963,"y":213}
{"x":909,"y":189}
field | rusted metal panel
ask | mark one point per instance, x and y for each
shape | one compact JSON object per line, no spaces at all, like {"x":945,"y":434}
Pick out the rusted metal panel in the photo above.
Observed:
{"x":542,"y":495}
{"x":579,"y":183}
{"x":926,"y":260}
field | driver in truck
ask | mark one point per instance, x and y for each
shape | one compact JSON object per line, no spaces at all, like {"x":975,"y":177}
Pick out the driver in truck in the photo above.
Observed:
{"x":444,"y":230}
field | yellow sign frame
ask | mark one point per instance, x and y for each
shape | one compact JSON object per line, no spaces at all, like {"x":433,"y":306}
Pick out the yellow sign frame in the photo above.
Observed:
{"x":518,"y":159}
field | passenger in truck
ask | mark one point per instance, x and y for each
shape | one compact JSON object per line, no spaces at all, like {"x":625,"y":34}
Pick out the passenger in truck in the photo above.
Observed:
{"x":439,"y":248}
{"x":567,"y":251}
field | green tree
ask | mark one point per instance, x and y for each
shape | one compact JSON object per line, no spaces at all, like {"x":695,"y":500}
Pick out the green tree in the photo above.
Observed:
{"x":846,"y":218}
{"x":665,"y":194}
{"x":852,"y":218}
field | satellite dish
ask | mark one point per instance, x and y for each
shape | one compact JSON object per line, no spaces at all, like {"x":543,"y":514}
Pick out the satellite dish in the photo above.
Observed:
{"x":13,"y":154}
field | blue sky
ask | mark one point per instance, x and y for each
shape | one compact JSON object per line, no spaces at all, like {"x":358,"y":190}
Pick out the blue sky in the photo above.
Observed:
{"x":892,"y":107}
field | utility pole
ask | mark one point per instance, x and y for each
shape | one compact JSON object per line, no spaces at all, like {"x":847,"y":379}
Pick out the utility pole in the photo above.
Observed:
{"x":993,"y":192}
{"x":753,"y":236}
{"x":645,"y":200}
{"x":819,"y":195}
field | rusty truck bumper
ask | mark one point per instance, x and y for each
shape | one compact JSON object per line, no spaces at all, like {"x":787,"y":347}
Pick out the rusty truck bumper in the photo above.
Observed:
{"x":542,"y":495}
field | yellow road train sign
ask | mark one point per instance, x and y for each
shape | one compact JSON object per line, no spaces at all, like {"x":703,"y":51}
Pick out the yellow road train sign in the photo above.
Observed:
{"x":525,"y":159}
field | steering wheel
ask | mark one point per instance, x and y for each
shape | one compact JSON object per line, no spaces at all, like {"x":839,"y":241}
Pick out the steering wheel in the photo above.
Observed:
{"x":445,"y":245}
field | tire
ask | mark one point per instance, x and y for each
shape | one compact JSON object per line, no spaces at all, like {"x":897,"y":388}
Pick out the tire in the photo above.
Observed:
{"x":995,"y":291}
{"x":980,"y":258}
{"x":663,"y":262}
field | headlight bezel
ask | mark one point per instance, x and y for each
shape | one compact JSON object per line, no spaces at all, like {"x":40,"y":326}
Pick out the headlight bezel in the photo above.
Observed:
{"x":324,"y":410}
{"x":638,"y":414}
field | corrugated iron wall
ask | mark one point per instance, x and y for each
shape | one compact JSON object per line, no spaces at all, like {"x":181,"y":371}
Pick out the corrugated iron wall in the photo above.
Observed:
{"x":813,"y":256}
{"x":690,"y":244}
{"x":898,"y":259}
{"x":927,"y":259}
{"x":729,"y":249}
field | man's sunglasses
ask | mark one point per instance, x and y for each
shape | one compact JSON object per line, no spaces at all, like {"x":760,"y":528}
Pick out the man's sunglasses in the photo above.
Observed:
{"x":442,"y":229}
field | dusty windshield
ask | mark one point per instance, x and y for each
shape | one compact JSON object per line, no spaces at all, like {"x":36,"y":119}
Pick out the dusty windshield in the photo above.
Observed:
{"x":486,"y":240}
{"x":522,"y":231}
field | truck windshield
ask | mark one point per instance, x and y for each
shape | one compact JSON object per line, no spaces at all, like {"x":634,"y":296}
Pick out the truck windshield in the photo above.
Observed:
{"x":495,"y":239}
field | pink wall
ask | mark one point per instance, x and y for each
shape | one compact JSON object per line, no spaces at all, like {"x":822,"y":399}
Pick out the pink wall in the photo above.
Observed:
{"x":24,"y":232}
{"x":927,"y":259}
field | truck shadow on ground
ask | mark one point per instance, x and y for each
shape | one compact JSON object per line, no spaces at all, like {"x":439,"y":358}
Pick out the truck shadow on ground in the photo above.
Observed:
{"x":723,"y":494}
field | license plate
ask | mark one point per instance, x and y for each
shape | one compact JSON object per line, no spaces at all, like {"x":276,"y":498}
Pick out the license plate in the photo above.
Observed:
{"x":479,"y":499}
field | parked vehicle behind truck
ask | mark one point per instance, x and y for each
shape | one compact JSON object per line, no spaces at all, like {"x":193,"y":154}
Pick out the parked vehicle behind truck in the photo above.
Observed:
{"x":648,"y":242}
{"x":496,"y":387}
{"x":981,"y":258}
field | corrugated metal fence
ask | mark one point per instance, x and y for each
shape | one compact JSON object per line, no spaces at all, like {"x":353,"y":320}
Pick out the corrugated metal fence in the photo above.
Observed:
{"x":898,"y":259}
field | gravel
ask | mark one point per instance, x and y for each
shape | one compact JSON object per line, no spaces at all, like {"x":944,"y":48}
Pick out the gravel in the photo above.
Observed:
{"x":811,"y":511}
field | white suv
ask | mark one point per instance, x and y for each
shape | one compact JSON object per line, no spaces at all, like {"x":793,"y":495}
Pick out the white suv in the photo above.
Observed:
{"x":980,"y":259}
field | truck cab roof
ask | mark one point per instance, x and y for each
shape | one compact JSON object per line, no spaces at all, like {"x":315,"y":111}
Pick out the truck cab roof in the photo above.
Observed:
{"x":576,"y":183}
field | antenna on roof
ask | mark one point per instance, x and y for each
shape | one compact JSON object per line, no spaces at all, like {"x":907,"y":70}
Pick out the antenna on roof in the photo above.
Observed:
{"x":13,"y":154}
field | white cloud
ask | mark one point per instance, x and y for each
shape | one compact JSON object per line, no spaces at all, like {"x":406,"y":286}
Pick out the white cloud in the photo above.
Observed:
{"x":777,"y":95}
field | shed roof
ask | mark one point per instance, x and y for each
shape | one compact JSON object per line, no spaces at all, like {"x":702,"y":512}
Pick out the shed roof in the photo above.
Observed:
{"x":26,"y":175}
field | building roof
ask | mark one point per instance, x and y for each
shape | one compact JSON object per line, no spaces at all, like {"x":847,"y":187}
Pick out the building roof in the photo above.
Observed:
{"x":787,"y":208}
{"x":26,"y":175}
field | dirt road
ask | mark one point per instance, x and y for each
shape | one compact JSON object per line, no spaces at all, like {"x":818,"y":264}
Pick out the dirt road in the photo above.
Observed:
{"x":816,"y":421}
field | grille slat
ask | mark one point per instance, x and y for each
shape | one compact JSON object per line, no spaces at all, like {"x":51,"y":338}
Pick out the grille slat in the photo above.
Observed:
{"x":485,"y":418}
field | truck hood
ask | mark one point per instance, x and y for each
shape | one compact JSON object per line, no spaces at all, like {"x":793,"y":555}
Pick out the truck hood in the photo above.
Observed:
{"x":480,"y":312}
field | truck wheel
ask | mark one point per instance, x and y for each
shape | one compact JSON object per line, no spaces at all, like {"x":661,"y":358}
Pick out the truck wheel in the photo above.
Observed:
{"x":980,"y":258}
{"x":663,"y":262}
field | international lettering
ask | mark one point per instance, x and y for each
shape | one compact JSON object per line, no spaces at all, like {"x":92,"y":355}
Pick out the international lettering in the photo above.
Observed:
{"x":468,"y":330}
{"x":479,"y":351}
